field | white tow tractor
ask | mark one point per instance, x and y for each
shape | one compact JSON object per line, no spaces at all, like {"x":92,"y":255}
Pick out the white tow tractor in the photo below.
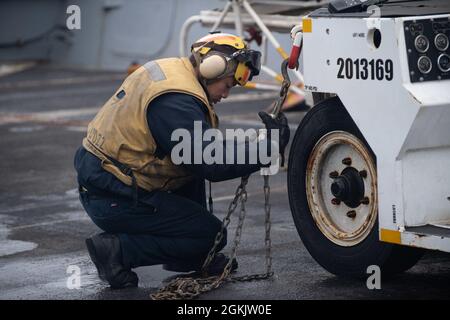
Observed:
{"x":369,"y":166}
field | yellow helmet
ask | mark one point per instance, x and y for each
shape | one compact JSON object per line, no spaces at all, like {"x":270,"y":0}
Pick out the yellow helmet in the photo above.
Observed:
{"x":219,"y":55}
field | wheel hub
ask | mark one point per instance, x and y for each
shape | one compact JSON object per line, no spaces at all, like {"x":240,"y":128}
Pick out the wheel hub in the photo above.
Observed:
{"x":341,"y":188}
{"x":348,"y":187}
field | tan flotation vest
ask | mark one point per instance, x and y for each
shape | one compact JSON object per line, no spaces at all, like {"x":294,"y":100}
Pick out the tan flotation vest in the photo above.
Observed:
{"x":119,"y":134}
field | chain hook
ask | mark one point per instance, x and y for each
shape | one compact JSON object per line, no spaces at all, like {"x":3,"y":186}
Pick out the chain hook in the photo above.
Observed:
{"x":283,"y":91}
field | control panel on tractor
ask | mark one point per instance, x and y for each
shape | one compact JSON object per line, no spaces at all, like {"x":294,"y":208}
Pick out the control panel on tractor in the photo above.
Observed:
{"x":428,"y":50}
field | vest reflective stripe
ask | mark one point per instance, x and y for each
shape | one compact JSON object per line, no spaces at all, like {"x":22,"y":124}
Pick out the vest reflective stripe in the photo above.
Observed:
{"x":120,"y":130}
{"x":156,"y":74}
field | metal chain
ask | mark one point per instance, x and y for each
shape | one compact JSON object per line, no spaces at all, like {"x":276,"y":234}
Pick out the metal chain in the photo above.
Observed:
{"x":240,"y":194}
{"x":267,"y":240}
{"x":190,"y":287}
{"x":284,"y":89}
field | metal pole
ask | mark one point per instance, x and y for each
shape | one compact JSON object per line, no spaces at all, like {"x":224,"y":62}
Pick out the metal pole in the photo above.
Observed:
{"x":237,"y":17}
{"x":183,"y":33}
{"x":222,"y":16}
{"x":264,"y":49}
{"x":264,"y":29}
{"x":270,"y":36}
{"x":262,"y":86}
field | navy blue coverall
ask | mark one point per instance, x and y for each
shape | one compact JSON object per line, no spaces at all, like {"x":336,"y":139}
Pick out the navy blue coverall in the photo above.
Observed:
{"x":164,"y":227}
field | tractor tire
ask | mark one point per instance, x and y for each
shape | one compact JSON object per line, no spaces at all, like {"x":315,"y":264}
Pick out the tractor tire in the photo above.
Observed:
{"x":332,"y":187}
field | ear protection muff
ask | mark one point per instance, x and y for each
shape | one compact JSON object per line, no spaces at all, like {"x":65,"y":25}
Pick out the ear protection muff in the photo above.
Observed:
{"x":213,"y":66}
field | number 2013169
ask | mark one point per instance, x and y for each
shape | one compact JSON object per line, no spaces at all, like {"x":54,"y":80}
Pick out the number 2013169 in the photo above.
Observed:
{"x":374,"y":69}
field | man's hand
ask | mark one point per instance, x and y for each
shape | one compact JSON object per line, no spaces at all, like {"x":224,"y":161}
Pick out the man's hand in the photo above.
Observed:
{"x":280,"y":123}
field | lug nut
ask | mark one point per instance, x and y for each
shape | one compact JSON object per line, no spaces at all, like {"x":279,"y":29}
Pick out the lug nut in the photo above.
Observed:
{"x":334,"y":174}
{"x":363,"y":174}
{"x":347,"y":161}
{"x":365,"y":200}
{"x":351,"y":214}
{"x":336,"y":201}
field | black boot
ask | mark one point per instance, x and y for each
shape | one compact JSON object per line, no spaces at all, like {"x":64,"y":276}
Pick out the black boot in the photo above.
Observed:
{"x":216,"y":266}
{"x":106,"y":254}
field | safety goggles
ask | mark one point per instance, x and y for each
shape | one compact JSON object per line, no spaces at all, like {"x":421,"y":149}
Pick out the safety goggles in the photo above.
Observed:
{"x":249,"y":65}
